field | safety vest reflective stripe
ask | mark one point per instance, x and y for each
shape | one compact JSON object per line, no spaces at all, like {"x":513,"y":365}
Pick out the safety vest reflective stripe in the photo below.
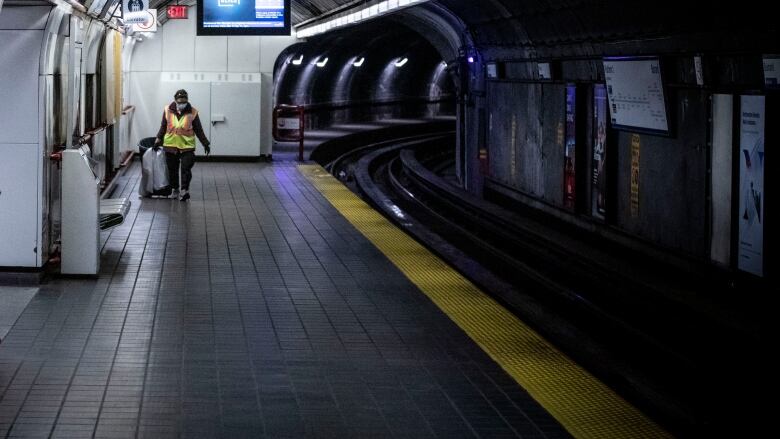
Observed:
{"x":180,"y":133}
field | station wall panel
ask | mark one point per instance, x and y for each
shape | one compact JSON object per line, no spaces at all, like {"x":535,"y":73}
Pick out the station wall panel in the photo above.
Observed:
{"x":244,"y":54}
{"x":147,"y":56}
{"x":211,"y":54}
{"x":19,"y":56}
{"x":19,"y":219}
{"x":178,"y":52}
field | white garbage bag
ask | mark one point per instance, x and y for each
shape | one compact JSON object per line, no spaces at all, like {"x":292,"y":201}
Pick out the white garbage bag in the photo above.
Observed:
{"x":160,"y":170}
{"x":154,"y":172}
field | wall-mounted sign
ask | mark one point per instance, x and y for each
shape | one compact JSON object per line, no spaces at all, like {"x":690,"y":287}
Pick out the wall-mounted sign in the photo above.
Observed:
{"x":134,"y":11}
{"x":545,"y":72}
{"x":492,"y":70}
{"x":772,"y":70}
{"x":244,"y":17}
{"x":149,"y":24}
{"x":635,"y":150}
{"x":177,"y":12}
{"x":636,"y":94}
{"x":751,"y":185}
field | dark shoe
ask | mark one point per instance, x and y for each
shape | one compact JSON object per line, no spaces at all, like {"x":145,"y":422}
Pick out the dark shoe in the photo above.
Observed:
{"x":185,"y":195}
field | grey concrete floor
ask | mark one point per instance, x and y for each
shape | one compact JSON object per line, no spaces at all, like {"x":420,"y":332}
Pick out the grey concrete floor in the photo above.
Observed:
{"x":254,"y":310}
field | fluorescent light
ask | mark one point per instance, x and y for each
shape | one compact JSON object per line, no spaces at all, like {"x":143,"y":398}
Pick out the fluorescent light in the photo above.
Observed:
{"x":322,"y":63}
{"x":298,"y":61}
{"x":401,"y":62}
{"x":360,"y":62}
{"x":356,"y":15}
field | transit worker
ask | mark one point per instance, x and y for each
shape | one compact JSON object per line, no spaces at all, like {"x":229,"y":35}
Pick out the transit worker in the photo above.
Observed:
{"x":180,"y":125}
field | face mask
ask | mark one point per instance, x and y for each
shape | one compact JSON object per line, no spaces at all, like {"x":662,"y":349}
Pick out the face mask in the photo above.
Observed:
{"x":181,"y":107}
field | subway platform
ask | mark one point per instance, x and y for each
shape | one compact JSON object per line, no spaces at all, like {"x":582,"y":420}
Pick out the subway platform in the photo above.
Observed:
{"x":275,"y":304}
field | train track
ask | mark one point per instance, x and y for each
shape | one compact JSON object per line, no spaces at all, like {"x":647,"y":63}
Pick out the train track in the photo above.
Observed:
{"x":652,"y":350}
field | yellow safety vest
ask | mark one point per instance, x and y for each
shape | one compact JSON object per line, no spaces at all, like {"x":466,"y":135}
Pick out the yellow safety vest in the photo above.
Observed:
{"x":180,"y":133}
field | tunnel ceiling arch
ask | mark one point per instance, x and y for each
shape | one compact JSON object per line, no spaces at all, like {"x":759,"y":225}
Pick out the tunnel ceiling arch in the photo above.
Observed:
{"x":555,"y":28}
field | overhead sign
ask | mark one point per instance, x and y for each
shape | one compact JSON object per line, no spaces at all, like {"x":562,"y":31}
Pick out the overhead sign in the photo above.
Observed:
{"x":636,"y":93}
{"x":177,"y":12}
{"x":149,"y":24}
{"x":133,"y":11}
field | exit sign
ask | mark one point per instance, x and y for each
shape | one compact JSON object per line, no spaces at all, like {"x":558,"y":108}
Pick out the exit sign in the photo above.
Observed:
{"x":177,"y":12}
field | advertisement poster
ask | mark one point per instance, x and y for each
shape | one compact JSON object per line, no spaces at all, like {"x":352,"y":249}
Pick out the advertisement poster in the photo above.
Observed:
{"x":751,"y":185}
{"x":568,"y":155}
{"x":599,"y":192}
{"x":635,"y":150}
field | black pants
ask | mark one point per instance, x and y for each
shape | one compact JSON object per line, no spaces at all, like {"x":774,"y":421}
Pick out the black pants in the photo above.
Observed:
{"x":187,"y":159}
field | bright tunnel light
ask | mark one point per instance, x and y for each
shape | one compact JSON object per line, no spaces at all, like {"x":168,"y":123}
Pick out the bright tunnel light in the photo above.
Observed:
{"x":298,"y":61}
{"x":360,"y":62}
{"x":322,"y":63}
{"x":355,"y":15}
{"x":401,"y":62}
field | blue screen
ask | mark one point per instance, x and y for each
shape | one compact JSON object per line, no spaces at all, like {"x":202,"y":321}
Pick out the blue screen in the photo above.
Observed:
{"x":244,"y":14}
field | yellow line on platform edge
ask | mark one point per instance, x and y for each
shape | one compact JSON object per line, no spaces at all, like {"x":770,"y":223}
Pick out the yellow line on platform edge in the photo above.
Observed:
{"x":582,"y":404}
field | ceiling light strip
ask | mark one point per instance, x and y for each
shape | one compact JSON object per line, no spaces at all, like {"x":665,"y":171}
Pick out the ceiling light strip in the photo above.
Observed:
{"x":356,"y":15}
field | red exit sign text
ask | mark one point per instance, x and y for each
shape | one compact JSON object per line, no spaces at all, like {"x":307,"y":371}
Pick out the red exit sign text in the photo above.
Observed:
{"x":177,"y":12}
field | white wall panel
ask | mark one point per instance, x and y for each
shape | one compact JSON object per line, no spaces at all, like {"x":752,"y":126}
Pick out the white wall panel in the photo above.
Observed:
{"x":18,"y":212}
{"x":145,"y":91}
{"x":148,"y":54}
{"x":24,"y":18}
{"x":178,"y":45}
{"x":211,"y":54}
{"x":244,"y":54}
{"x":19,"y":60}
{"x":239,"y":133}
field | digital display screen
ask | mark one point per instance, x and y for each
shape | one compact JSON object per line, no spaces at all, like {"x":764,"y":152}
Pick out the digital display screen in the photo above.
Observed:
{"x":243,"y":17}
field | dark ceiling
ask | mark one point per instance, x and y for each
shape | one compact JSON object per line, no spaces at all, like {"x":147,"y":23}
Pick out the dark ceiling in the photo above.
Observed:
{"x":546,"y":27}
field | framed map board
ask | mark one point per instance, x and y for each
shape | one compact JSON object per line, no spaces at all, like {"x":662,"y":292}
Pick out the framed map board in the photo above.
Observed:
{"x":636,"y":94}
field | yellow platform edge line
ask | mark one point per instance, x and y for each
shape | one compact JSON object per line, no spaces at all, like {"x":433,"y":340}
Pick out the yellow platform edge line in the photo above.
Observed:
{"x":578,"y":401}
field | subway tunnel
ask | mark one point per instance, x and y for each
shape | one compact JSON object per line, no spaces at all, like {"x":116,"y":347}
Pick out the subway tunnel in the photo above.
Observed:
{"x":403,"y":218}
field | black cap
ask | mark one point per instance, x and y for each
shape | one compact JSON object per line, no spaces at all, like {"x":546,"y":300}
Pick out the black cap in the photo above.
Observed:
{"x":181,"y":94}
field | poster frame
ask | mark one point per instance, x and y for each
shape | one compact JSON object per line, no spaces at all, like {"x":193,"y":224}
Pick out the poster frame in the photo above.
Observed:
{"x":667,"y":106}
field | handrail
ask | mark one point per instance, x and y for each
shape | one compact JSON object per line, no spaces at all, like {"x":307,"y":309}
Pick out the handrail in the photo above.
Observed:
{"x":128,"y":109}
{"x":89,"y":134}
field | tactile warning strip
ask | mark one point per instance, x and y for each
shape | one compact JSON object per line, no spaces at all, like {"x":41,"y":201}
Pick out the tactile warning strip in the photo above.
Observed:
{"x":582,"y":404}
